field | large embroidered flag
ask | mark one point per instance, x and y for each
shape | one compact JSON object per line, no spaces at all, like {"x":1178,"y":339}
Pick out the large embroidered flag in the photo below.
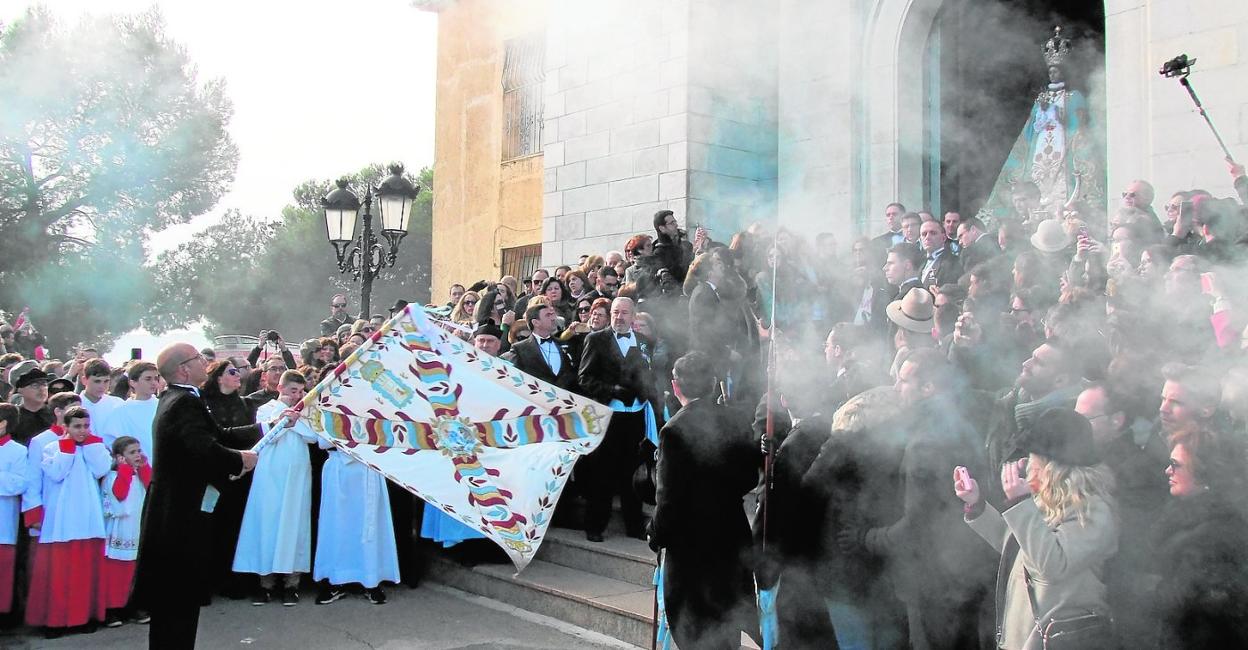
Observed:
{"x":465,"y":431}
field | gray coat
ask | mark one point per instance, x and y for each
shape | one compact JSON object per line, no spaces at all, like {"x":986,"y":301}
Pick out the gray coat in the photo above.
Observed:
{"x":1065,"y":564}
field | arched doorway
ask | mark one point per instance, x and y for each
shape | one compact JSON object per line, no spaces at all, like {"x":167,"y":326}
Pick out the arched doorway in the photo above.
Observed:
{"x":947,"y":88}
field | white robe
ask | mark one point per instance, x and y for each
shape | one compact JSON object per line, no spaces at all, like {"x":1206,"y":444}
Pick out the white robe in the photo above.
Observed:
{"x":100,"y":411}
{"x":39,"y":488}
{"x":276,"y":536}
{"x":355,"y":539}
{"x":132,"y":418}
{"x":12,"y":486}
{"x":121,"y":518}
{"x":77,"y":511}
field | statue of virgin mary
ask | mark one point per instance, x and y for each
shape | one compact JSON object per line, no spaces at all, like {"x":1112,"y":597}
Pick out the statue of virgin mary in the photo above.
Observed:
{"x":1055,"y":164}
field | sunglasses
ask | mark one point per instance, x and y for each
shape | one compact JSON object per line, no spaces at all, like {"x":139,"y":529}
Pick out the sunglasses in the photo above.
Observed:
{"x":1128,"y":195}
{"x":231,"y":371}
{"x":582,"y":310}
{"x":470,"y":302}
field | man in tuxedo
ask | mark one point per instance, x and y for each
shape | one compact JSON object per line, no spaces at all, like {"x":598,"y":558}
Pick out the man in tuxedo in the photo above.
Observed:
{"x":541,"y":355}
{"x":176,"y":543}
{"x":615,"y":370}
{"x":901,"y":274}
{"x":707,"y":462}
{"x":892,"y":221}
{"x":941,"y":265}
{"x":977,"y":245}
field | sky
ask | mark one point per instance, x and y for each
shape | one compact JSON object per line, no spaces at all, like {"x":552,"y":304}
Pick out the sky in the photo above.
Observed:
{"x":278,"y":58}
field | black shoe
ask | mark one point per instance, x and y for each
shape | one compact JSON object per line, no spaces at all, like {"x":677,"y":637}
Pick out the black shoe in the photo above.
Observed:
{"x":141,"y":617}
{"x":327,"y":594}
{"x":593,"y":537}
{"x":53,"y":632}
{"x":290,"y":597}
{"x":262,"y":597}
{"x":376,"y":596}
{"x":113,"y":620}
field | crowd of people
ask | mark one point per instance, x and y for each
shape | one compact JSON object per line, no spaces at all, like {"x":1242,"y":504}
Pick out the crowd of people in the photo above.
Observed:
{"x":1020,"y":430}
{"x":1017,"y":428}
{"x":78,"y":452}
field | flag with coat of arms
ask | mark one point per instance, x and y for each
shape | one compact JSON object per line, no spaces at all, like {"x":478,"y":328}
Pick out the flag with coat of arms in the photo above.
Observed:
{"x":467,"y":432}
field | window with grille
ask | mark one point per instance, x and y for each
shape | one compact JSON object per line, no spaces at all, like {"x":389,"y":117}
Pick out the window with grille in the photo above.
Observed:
{"x":523,"y":73}
{"x":522,"y":261}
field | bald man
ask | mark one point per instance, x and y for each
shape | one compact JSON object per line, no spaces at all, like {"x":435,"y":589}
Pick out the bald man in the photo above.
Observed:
{"x":176,"y":543}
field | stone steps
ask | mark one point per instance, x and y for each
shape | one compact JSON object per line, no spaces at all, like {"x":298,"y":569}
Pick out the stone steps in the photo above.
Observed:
{"x":616,"y":608}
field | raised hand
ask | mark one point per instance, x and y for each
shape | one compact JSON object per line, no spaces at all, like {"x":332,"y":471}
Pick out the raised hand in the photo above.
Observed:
{"x":1013,"y":479}
{"x":966,"y":487}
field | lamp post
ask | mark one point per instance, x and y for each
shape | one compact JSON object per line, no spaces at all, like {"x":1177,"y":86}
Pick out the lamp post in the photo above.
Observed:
{"x":368,"y":257}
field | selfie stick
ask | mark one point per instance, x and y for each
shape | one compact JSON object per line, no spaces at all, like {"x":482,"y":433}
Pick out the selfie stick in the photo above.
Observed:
{"x":1181,"y":67}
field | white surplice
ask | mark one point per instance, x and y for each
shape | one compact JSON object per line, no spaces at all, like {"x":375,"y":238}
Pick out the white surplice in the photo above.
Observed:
{"x":122,"y":518}
{"x":76,"y":512}
{"x":39,"y":488}
{"x":100,"y":411}
{"x":355,"y":539}
{"x":276,"y":536}
{"x":132,"y":418}
{"x":12,"y":486}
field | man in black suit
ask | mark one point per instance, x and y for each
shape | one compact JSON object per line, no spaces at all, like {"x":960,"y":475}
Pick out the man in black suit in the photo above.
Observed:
{"x":176,"y":543}
{"x":901,"y":274}
{"x":541,"y":355}
{"x":977,"y":245}
{"x":892,"y":221}
{"x":707,"y":462}
{"x":941,"y":265}
{"x":615,"y":370}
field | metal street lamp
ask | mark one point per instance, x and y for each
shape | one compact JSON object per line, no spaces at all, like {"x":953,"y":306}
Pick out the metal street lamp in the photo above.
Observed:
{"x":367,"y":258}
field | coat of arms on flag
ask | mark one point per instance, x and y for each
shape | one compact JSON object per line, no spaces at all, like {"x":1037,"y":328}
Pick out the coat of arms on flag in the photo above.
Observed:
{"x":467,"y":432}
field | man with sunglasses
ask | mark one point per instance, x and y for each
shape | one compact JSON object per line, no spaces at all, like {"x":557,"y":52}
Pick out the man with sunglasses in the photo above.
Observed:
{"x":338,"y":315}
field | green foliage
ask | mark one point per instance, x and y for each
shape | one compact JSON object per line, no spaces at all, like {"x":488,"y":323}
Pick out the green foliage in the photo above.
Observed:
{"x":244,"y":275}
{"x":105,"y":135}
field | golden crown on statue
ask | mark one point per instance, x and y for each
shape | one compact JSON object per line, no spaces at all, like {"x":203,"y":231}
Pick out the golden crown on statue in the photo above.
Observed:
{"x":1056,"y":48}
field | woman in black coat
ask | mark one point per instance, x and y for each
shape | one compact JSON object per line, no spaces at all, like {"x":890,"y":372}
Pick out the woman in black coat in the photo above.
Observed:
{"x":221,"y":394}
{"x":1201,"y":540}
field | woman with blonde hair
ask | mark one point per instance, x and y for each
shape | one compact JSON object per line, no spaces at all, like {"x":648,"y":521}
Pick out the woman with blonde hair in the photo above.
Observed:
{"x":1055,"y":533}
{"x":592,"y":264}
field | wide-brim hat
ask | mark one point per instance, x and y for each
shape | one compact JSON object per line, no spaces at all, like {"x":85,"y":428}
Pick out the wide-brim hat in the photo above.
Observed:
{"x":1061,"y":435}
{"x":1050,"y":237}
{"x":26,"y":373}
{"x":914,"y":312}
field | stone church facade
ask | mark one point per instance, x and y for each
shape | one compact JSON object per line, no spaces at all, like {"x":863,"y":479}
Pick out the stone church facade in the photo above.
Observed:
{"x":563,"y":125}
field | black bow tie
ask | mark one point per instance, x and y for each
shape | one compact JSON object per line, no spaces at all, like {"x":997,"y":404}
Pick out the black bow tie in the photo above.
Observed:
{"x":623,"y":336}
{"x":541,"y":341}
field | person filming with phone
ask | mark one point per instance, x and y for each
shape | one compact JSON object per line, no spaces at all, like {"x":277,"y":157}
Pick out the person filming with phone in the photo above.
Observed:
{"x":1055,"y":532}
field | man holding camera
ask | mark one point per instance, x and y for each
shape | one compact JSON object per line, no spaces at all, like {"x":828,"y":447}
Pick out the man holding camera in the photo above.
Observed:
{"x":269,"y":343}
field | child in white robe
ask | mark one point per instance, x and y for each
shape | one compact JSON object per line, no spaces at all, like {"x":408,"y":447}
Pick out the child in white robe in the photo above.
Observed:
{"x":124,"y":489}
{"x":12,"y":485}
{"x":66,"y":578}
{"x":40,"y":488}
{"x":276,"y":535}
{"x":355,"y":538}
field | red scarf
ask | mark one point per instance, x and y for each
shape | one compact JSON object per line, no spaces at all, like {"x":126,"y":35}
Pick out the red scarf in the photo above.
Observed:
{"x":4,"y":440}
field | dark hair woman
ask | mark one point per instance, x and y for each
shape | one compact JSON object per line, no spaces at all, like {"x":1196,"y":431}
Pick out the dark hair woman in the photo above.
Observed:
{"x":220,"y":393}
{"x":557,"y":295}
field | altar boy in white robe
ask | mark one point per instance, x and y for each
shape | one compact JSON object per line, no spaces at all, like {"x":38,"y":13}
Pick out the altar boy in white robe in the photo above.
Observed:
{"x":12,"y":485}
{"x":134,"y":416}
{"x":276,"y":536}
{"x":355,"y":539}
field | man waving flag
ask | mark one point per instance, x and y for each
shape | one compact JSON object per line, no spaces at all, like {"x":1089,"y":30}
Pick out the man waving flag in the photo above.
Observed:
{"x":467,"y":432}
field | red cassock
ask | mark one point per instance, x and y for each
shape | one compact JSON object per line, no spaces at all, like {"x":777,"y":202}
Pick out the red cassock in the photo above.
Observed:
{"x":67,"y":583}
{"x":8,"y":566}
{"x":118,"y":577}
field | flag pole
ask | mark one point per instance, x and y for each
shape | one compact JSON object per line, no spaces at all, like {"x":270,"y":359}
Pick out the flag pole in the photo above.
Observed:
{"x":770,"y":429}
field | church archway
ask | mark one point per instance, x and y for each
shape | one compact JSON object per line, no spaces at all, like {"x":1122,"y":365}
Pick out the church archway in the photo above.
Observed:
{"x":948,"y":86}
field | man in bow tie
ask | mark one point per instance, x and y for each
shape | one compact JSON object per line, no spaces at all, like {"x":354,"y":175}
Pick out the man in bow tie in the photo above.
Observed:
{"x":541,"y":355}
{"x":615,"y":370}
